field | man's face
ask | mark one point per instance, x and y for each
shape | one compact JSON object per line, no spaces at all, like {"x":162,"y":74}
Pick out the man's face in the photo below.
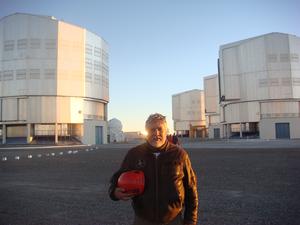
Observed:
{"x":157,"y":131}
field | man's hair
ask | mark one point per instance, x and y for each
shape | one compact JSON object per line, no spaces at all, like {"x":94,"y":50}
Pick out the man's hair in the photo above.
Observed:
{"x":154,"y":117}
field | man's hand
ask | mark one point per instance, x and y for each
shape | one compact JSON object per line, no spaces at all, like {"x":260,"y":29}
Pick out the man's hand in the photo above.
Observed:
{"x":122,"y":195}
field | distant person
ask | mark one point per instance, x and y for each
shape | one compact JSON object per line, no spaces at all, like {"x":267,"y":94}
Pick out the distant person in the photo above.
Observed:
{"x":170,"y":138}
{"x":170,"y":194}
{"x":175,"y":139}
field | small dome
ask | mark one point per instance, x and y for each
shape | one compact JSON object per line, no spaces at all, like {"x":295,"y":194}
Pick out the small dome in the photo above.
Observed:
{"x":115,"y":124}
{"x":115,"y":130}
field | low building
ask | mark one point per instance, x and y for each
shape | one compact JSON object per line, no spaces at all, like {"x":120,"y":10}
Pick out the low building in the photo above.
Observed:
{"x":134,"y":136}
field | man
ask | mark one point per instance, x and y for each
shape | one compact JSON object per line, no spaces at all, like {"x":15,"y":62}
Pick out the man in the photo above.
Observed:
{"x":170,"y":195}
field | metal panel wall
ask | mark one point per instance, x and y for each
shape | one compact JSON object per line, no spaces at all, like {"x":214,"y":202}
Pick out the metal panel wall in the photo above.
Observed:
{"x":93,"y":110}
{"x":96,"y":67}
{"x":9,"y":112}
{"x":279,"y":109}
{"x":41,"y":109}
{"x":259,"y":68}
{"x":29,"y":53}
{"x":176,"y":107}
{"x":295,"y":65}
{"x":181,"y":125}
{"x":231,"y":73}
{"x":22,"y":109}
{"x":211,"y":94}
{"x":242,"y":112}
{"x":189,"y":106}
{"x":70,"y":60}
{"x":232,"y":113}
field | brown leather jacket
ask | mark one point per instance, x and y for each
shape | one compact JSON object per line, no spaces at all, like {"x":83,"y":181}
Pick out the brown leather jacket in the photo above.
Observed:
{"x":170,"y":183}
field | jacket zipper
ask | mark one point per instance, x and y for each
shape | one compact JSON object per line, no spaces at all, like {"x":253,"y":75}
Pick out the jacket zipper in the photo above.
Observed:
{"x":156,"y":186}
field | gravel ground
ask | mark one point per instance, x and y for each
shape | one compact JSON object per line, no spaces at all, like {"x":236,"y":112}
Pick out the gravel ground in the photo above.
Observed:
{"x":236,"y":186}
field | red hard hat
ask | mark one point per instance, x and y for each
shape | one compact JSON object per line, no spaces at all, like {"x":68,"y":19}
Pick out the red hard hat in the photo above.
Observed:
{"x":132,"y":181}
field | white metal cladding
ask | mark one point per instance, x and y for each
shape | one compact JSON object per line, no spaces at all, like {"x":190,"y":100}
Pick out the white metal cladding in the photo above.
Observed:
{"x":41,"y":109}
{"x":280,"y":109}
{"x":264,"y":67}
{"x":211,"y":94}
{"x":8,"y":109}
{"x":93,"y":110}
{"x":189,"y":106}
{"x":70,"y":60}
{"x":181,"y":125}
{"x":294,"y":43}
{"x":213,"y":119}
{"x":42,"y":71}
{"x":242,"y":112}
{"x":96,"y":67}
{"x":26,"y":55}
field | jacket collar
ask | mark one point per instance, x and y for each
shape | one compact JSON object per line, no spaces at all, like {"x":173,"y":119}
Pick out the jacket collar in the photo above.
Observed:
{"x":162,"y":148}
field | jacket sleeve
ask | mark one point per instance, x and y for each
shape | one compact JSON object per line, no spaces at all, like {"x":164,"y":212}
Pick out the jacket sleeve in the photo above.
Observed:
{"x":114,"y":179}
{"x":191,"y":194}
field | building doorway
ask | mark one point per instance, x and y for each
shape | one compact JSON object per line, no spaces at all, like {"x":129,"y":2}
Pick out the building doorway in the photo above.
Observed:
{"x":99,"y":135}
{"x":216,"y":133}
{"x":282,"y":130}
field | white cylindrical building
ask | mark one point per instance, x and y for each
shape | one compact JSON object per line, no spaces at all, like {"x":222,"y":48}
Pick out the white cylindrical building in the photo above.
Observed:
{"x":260,"y":86}
{"x":54,"y":80}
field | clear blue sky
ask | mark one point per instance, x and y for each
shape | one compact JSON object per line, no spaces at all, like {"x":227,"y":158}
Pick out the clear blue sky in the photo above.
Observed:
{"x":163,"y":47}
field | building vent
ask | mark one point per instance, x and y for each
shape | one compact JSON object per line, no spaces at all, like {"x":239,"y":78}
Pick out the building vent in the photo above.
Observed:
{"x":34,"y":74}
{"x":22,"y":43}
{"x":294,"y":57}
{"x":21,"y":74}
{"x":49,"y":74}
{"x":9,"y":45}
{"x":296,"y":81}
{"x":35,"y":43}
{"x":284,"y":57}
{"x":272,"y":58}
{"x":286,"y":81}
{"x":50,"y":44}
{"x":8,"y":75}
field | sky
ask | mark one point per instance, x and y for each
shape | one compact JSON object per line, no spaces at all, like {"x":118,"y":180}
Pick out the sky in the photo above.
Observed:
{"x":158,"y":48}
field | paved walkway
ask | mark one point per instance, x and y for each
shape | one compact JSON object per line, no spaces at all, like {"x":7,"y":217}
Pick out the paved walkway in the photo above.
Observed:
{"x":244,"y":143}
{"x":69,"y":186}
{"x":190,"y":144}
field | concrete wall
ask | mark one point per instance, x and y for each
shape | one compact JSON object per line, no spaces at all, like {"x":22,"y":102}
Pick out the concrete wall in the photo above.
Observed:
{"x":89,"y":136}
{"x":211,"y":130}
{"x":268,"y":130}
